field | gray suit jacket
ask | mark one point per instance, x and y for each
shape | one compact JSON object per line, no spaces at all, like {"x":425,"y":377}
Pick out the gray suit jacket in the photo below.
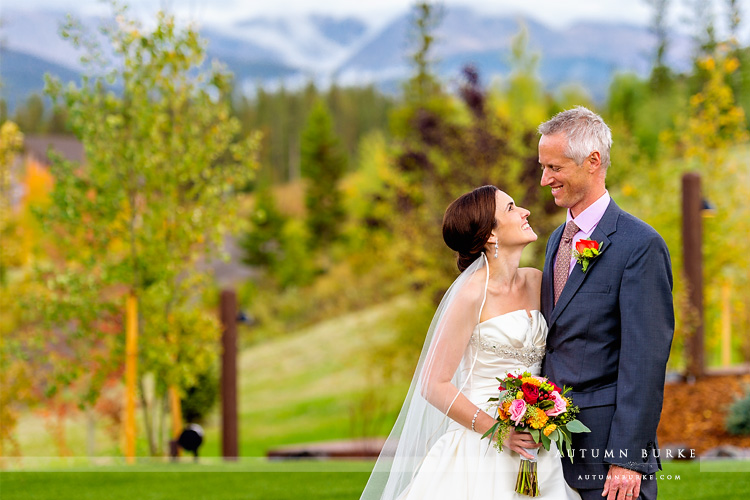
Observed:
{"x":609,"y":339}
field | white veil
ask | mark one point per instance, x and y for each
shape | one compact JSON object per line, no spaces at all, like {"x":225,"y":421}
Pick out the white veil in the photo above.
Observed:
{"x":423,"y":417}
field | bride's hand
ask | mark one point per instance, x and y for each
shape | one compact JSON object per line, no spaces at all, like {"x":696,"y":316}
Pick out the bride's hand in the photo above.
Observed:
{"x":520,"y":442}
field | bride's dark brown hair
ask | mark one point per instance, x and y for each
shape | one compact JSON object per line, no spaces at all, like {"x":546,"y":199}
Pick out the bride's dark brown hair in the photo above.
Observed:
{"x":468,"y":223}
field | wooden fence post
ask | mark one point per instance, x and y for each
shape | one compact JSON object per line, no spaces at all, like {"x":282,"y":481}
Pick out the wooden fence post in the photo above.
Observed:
{"x":229,"y":436}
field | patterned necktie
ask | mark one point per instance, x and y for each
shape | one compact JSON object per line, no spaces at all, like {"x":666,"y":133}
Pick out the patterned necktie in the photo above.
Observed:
{"x":562,"y":264}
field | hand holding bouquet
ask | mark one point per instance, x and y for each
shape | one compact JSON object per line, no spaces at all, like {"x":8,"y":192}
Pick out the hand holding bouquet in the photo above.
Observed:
{"x":538,"y":406}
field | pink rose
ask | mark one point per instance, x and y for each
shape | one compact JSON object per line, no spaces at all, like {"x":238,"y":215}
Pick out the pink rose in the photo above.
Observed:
{"x":517,"y":410}
{"x":560,"y":405}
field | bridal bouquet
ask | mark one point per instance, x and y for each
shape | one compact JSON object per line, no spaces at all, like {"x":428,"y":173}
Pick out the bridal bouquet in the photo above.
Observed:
{"x":538,"y":406}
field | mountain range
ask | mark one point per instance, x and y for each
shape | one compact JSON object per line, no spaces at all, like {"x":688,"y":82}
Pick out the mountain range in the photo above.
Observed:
{"x":295,"y":49}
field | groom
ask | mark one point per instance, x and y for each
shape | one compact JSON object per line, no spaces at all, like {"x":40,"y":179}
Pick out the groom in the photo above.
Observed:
{"x":610,"y":327}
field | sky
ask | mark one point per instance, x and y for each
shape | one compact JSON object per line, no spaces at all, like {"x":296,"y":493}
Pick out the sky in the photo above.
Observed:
{"x":552,"y":12}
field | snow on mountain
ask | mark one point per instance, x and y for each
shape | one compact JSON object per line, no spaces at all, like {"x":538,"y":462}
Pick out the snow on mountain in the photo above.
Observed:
{"x":37,"y":33}
{"x":312,"y":43}
{"x":296,"y":48}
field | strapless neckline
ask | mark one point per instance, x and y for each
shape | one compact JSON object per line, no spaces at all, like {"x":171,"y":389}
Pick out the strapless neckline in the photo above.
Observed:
{"x":528,"y":314}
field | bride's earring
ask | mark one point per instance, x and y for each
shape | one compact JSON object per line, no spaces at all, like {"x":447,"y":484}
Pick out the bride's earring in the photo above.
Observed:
{"x":496,"y":249}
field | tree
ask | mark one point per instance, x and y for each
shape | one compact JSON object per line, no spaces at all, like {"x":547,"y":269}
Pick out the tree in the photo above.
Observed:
{"x":660,"y":74}
{"x":709,"y":137}
{"x":322,"y":166}
{"x":3,"y":109}
{"x":13,"y":376}
{"x":151,"y":205}
{"x":11,"y":142}
{"x":734,"y":19}
{"x":30,"y":115}
{"x":740,"y":79}
{"x":702,"y":19}
{"x":423,"y":84}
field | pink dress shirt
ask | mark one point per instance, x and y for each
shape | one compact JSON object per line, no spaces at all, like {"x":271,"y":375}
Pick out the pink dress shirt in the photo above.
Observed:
{"x":587,"y":221}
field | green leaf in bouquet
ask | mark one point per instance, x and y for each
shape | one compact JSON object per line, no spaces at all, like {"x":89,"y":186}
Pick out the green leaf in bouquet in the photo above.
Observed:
{"x":576,"y":426}
{"x":553,"y":435}
{"x":516,"y":382}
{"x":566,"y":436}
{"x":535,"y":434}
{"x":491,"y":430}
{"x":569,"y":447}
{"x":546,"y":404}
{"x":494,"y":399}
{"x":545,"y":441}
{"x":562,"y":430}
{"x":560,"y":439}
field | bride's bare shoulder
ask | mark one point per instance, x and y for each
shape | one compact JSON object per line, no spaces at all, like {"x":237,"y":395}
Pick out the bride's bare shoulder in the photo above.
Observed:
{"x":532,"y":276}
{"x":531,"y":272}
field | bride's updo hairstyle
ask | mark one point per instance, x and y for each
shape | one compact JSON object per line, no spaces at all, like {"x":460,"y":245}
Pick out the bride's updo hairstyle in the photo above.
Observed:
{"x":468,"y":223}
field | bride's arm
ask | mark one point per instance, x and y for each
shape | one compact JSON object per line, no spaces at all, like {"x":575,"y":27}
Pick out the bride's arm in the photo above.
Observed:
{"x":445,"y":353}
{"x":446,"y":349}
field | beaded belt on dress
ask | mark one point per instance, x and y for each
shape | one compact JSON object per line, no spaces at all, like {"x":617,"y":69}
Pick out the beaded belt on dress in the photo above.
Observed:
{"x":527,"y":354}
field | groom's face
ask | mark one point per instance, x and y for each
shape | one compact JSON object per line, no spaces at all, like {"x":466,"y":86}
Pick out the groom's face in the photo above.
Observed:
{"x":570,"y":183}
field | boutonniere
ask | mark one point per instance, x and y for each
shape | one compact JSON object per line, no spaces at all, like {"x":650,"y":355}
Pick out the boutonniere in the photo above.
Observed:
{"x":585,"y":252}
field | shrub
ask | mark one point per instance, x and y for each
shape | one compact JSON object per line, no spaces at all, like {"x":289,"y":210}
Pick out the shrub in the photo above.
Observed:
{"x":200,"y":399}
{"x":738,"y":417}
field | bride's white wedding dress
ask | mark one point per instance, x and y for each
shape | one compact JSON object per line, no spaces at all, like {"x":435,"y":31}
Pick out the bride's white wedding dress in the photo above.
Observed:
{"x":461,"y":465}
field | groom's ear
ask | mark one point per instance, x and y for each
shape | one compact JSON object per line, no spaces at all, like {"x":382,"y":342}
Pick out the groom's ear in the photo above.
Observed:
{"x":595,"y":161}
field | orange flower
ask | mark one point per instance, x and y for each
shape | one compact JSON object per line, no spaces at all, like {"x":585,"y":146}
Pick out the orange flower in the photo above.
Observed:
{"x":549,"y":429}
{"x":503,"y":411}
{"x":538,"y":419}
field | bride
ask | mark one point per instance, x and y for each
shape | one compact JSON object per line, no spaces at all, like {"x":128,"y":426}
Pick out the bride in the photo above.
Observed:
{"x":488,"y":324}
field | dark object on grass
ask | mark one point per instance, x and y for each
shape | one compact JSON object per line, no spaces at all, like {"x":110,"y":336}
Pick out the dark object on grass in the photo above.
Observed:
{"x":201,"y":397}
{"x":191,"y":438}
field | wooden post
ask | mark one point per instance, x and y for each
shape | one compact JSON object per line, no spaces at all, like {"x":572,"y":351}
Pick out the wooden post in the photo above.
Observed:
{"x":692,"y":253}
{"x":228,"y":314}
{"x":131,"y":360}
{"x":726,"y":324}
{"x":175,"y":409}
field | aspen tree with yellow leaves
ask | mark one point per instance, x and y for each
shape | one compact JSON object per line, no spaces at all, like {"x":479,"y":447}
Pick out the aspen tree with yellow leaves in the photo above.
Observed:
{"x":152,"y":204}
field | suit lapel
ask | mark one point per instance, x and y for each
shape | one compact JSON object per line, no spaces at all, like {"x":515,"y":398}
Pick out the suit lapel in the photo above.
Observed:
{"x":606,"y":226}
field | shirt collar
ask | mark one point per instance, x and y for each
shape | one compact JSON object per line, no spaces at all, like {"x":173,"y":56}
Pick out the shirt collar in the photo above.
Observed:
{"x":589,"y":218}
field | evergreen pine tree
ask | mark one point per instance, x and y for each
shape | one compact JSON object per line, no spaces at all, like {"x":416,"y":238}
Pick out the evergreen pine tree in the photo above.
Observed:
{"x":322,"y":166}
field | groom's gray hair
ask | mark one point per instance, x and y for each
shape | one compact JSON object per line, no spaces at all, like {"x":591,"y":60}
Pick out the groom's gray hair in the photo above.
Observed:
{"x":586,"y":133}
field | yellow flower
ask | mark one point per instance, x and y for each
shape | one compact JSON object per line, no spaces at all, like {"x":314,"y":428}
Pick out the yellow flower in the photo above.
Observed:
{"x":519,"y":395}
{"x":731,"y":65}
{"x":532,"y":381}
{"x":538,"y":419}
{"x":708,"y":63}
{"x":549,"y":429}
{"x":696,"y":100}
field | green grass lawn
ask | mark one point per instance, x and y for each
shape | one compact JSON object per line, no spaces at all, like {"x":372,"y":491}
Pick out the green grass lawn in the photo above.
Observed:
{"x":295,"y":481}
